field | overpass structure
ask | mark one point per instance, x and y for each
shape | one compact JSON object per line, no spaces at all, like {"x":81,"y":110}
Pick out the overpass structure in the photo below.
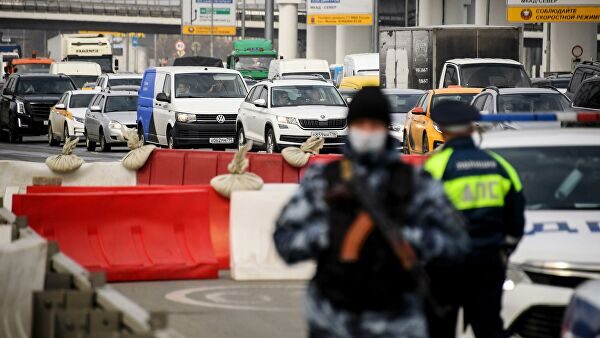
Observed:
{"x":147,"y":16}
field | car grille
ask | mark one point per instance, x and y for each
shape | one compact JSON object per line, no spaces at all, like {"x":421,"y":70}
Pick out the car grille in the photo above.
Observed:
{"x":194,"y":133}
{"x":40,"y":111}
{"x":540,"y":321}
{"x":131,"y":125}
{"x":326,"y":124}
{"x":570,"y":276}
{"x":562,"y":281}
{"x":302,"y":139}
{"x":212,"y":118}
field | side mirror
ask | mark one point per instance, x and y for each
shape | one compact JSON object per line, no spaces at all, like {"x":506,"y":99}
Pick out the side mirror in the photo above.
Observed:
{"x":95,"y":109}
{"x":116,"y":64}
{"x":162,"y":97}
{"x":418,"y":111}
{"x":6,"y":70}
{"x":260,"y":103}
{"x":60,"y":106}
{"x":348,"y":99}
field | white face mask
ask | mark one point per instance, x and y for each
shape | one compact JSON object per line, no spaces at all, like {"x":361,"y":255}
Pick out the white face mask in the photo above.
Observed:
{"x":363,"y":142}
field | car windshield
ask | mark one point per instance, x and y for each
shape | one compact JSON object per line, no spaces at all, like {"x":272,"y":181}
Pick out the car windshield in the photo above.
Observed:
{"x":204,"y":85}
{"x":325,"y":75}
{"x":287,"y":96}
{"x":499,"y":75}
{"x":253,"y":62}
{"x":80,"y":100}
{"x":80,"y":80}
{"x":402,"y":103}
{"x":120,"y":103}
{"x":466,"y":98}
{"x":125,"y":82}
{"x":44,"y":85}
{"x":532,"y":103}
{"x":558,"y":177}
{"x":32,"y":68}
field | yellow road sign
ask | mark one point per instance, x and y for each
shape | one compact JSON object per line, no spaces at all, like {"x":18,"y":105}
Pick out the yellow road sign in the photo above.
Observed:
{"x":553,"y":14}
{"x":206,"y":30}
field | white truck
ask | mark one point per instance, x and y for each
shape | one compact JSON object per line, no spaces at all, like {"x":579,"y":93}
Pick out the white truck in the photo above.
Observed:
{"x":361,"y":64}
{"x":83,"y":47}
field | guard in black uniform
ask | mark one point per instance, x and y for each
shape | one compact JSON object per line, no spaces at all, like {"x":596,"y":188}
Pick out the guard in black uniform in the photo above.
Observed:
{"x":487,"y":190}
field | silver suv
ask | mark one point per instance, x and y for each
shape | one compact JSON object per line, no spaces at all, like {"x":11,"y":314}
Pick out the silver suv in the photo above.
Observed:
{"x":107,"y":113}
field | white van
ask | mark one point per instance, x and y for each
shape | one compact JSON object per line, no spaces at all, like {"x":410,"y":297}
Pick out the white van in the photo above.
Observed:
{"x":361,"y":64}
{"x":190,"y":106}
{"x":79,"y":71}
{"x":281,"y":68}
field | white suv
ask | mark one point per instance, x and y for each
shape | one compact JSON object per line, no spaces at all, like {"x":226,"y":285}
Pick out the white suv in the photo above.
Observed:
{"x":281,"y":113}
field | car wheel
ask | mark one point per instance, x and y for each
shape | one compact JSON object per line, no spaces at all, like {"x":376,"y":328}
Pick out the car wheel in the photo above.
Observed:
{"x":241,"y":136}
{"x":104,"y":147}
{"x":425,"y":144}
{"x":89,"y":144}
{"x":271,"y":142}
{"x":404,"y":143}
{"x":171,"y":140}
{"x":51,"y":139}
{"x":66,"y":133}
{"x":13,"y":135}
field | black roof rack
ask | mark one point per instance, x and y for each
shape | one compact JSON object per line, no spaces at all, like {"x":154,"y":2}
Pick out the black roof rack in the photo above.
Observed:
{"x":550,"y":87}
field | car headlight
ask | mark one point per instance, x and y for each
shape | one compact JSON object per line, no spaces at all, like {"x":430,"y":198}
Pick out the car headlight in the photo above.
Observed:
{"x":288,"y":120}
{"x":395,"y":126}
{"x":20,"y":107}
{"x":114,"y":125}
{"x":437,"y":128}
{"x":185,"y":117}
{"x":515,"y":275}
{"x":79,"y":119}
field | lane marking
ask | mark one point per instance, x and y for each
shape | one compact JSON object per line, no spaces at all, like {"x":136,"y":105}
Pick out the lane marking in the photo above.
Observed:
{"x":228,"y":297}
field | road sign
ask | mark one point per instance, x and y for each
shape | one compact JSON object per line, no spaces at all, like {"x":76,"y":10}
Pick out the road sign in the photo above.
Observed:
{"x":340,"y":12}
{"x":532,"y":11}
{"x":179,"y":45}
{"x":135,"y":41}
{"x":208,"y":17}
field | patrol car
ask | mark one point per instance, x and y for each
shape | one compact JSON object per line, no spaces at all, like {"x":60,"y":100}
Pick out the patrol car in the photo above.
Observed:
{"x":190,"y":106}
{"x":560,"y":172}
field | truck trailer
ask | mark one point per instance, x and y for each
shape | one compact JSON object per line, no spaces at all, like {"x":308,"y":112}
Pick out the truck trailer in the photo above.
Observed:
{"x":414,"y":57}
{"x":83,"y":47}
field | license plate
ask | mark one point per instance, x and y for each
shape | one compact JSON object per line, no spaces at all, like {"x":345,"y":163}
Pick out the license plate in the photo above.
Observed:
{"x":324,"y":134}
{"x":45,"y":122}
{"x":220,"y":140}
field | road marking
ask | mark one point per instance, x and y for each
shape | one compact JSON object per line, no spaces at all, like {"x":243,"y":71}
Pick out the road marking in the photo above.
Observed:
{"x":233,"y":297}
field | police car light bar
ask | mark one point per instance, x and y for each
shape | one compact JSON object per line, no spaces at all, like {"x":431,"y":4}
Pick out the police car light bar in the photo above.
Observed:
{"x":541,"y":117}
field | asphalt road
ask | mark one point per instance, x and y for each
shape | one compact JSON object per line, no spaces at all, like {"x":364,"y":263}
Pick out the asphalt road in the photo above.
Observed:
{"x":224,"y":308}
{"x":36,"y":149}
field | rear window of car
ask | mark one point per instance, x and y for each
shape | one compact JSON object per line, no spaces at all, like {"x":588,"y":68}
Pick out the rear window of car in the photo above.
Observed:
{"x":124,"y":82}
{"x":532,"y":103}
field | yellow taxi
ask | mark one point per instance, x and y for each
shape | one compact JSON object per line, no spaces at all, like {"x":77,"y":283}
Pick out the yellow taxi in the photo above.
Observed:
{"x":358,"y":82}
{"x":421,"y":134}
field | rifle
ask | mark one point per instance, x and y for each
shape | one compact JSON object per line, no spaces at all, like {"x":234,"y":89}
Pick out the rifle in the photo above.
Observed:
{"x":401,"y":247}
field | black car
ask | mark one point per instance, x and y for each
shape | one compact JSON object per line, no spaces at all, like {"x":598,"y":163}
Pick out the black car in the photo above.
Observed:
{"x":583,"y":71}
{"x":587,"y":97}
{"x":26,"y":102}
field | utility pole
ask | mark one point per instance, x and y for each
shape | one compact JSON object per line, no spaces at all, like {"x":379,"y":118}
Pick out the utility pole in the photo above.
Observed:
{"x":269,"y":19}
{"x":243,"y":19}
{"x":212,"y":28}
{"x":375,"y":27}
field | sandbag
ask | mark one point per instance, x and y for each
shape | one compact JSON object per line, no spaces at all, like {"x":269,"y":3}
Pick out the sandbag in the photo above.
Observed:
{"x":238,"y":179}
{"x":139,"y":153}
{"x":65,"y":162}
{"x":298,"y":157}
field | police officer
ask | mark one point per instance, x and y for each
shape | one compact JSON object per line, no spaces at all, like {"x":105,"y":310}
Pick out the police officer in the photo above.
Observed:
{"x":487,"y":190}
{"x":361,"y":287}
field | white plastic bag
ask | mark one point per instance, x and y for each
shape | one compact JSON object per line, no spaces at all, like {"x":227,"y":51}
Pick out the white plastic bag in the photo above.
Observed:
{"x":66,"y":161}
{"x":139,"y":153}
{"x":298,"y":157}
{"x":238,"y":179}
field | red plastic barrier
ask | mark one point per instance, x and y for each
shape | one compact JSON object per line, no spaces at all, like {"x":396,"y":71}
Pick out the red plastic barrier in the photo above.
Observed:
{"x":218,"y":210}
{"x":132,"y":235}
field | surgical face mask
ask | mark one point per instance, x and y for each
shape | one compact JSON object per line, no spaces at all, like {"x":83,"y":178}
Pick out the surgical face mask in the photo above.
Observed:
{"x":363,"y":142}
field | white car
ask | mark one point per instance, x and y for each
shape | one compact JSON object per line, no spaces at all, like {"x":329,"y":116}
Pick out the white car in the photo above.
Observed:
{"x":67,"y":117}
{"x":560,"y":172}
{"x":109,"y":80}
{"x":281,"y":113}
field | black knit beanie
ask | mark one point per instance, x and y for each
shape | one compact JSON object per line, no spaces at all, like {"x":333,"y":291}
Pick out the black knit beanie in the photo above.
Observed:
{"x":369,"y":103}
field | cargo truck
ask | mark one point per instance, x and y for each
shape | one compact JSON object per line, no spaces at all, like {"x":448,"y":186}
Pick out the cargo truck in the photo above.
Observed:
{"x":83,"y":47}
{"x":445,"y":56}
{"x":252,"y":57}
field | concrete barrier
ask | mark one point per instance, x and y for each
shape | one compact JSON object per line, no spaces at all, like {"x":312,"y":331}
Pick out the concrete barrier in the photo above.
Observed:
{"x":22,"y":271}
{"x":21,"y":173}
{"x":253,"y":254}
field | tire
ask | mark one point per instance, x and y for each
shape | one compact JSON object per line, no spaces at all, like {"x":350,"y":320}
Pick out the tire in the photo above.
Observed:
{"x":89,"y":144}
{"x":66,"y":133}
{"x":404,"y":142}
{"x":241,"y":137}
{"x":271,"y":142}
{"x":104,"y":147}
{"x":171,"y":140}
{"x":13,"y":135}
{"x":425,"y":145}
{"x":51,"y":139}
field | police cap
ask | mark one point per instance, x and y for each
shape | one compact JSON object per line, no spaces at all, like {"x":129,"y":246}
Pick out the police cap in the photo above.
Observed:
{"x":454,"y":113}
